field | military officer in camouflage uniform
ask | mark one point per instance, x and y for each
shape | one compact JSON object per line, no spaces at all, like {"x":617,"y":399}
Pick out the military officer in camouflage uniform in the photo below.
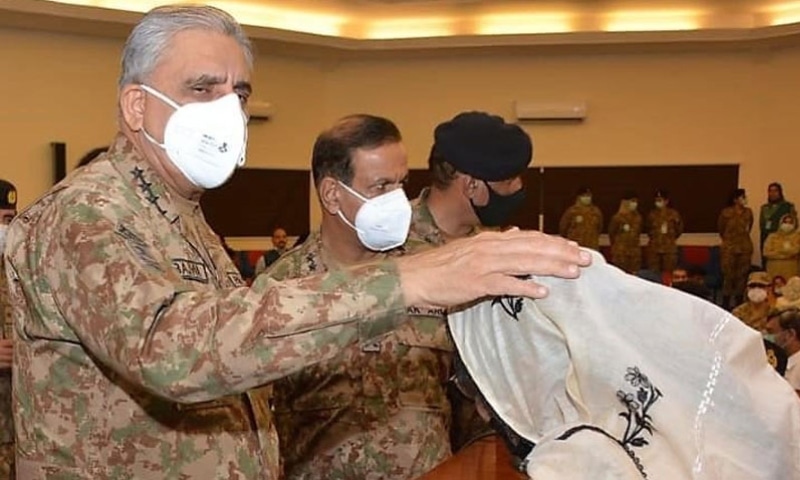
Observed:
{"x":379,"y":410}
{"x":583,"y":221}
{"x":8,"y":210}
{"x":664,"y":226}
{"x":624,"y":232}
{"x":136,"y":339}
{"x":475,"y":164}
{"x":755,"y":311}
{"x":782,"y":249}
{"x":736,"y":250}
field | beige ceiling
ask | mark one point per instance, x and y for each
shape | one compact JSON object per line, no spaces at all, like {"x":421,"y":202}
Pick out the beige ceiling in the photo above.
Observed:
{"x":380,"y":25}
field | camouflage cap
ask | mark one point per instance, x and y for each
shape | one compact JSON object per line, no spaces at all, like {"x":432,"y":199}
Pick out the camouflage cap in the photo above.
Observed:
{"x":8,"y":195}
{"x":759,"y":278}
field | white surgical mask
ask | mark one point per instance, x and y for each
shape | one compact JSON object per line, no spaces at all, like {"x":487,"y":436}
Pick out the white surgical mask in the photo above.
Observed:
{"x":206,"y":141}
{"x":3,"y":231}
{"x":382,"y":222}
{"x":660,"y":204}
{"x":757,"y":295}
{"x":633,"y":206}
{"x":585,"y":199}
{"x":787,"y":227}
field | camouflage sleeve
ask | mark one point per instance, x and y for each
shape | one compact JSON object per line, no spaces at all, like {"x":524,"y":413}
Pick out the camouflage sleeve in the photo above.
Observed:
{"x":678,"y":224}
{"x":122,"y":300}
{"x":613,"y":227}
{"x":564,"y":223}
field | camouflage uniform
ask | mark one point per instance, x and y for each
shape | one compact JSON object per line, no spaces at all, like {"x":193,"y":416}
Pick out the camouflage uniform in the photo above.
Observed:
{"x":664,"y":226}
{"x":379,"y":411}
{"x":467,"y":425}
{"x":782,"y":250}
{"x":769,"y":218}
{"x":753,"y":314}
{"x":6,"y":412}
{"x":135,"y":338}
{"x":736,"y":249}
{"x":624,"y":230}
{"x":583,"y":224}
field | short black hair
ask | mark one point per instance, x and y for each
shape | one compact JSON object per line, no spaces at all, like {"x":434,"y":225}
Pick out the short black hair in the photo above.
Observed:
{"x":442,"y":172}
{"x":735,"y":195}
{"x":333,"y":150}
{"x":790,"y":320}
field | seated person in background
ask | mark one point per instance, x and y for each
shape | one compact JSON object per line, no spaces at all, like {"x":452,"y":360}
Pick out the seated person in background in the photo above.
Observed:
{"x":783,"y":328}
{"x":691,"y":280}
{"x":279,"y":246}
{"x":754,"y":311}
{"x":782,"y":249}
{"x":776,"y":355}
{"x":679,"y":275}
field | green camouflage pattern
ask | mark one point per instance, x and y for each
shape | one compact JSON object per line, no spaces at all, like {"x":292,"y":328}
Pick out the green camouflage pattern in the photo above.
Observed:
{"x":664,"y":226}
{"x":736,"y":249}
{"x":136,"y":339}
{"x":753,"y":314}
{"x":466,"y":424}
{"x":624,"y":232}
{"x":583,"y":224}
{"x":781,"y":251}
{"x":377,"y":411}
{"x":6,"y":412}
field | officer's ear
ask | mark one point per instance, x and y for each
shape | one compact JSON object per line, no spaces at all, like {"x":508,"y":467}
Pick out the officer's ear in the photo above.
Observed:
{"x":469,"y":185}
{"x":329,"y":190}
{"x":131,"y":106}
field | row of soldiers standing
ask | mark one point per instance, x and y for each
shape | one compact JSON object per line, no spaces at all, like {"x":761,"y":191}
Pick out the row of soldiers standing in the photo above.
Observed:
{"x":780,"y":238}
{"x":583,"y":223}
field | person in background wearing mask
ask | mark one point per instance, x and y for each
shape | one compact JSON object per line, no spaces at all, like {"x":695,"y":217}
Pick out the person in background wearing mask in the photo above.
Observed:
{"x":136,"y":341}
{"x":380,"y":408}
{"x":782,"y":249}
{"x":783,"y":329}
{"x":476,"y":164}
{"x":736,"y":249}
{"x":771,"y":214}
{"x":624,"y":232}
{"x":755,"y":309}
{"x":280,"y":244}
{"x":583,"y":221}
{"x":664,"y":225}
{"x":8,"y":210}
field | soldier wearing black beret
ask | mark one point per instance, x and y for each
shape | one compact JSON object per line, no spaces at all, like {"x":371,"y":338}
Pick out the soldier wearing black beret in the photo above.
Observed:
{"x":476,"y":165}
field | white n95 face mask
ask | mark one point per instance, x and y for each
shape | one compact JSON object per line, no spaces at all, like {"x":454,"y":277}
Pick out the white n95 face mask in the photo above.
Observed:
{"x":206,"y":141}
{"x":382,"y":222}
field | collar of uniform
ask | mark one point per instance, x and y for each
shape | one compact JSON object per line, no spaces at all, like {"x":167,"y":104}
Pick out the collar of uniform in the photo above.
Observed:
{"x":422,"y":220}
{"x":147,"y":183}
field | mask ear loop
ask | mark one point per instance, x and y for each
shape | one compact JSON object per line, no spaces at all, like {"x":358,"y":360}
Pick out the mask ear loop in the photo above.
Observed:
{"x":152,"y":91}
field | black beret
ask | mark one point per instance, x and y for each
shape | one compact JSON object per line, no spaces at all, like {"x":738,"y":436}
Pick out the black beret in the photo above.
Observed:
{"x":483,"y":146}
{"x":8,"y":195}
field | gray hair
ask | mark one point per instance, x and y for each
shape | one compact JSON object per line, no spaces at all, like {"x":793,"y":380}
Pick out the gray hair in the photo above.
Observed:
{"x":152,"y":35}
